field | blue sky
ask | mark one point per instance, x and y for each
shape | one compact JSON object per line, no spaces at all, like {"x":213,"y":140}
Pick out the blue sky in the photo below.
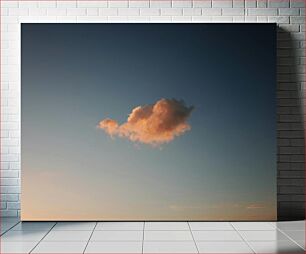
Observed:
{"x":74,"y":75}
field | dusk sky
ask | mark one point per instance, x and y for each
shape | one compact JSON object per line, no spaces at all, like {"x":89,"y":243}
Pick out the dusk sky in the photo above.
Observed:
{"x":217,"y":162}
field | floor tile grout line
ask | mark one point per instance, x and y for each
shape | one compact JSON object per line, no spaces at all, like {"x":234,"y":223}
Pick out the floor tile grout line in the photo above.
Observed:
{"x":273,"y":225}
{"x":90,"y":237}
{"x":10,"y":228}
{"x":290,"y":238}
{"x":143,"y":229}
{"x":122,"y":240}
{"x":124,"y":230}
{"x":195,"y":243}
{"x":143,"y":232}
{"x":246,"y":242}
{"x":42,"y":238}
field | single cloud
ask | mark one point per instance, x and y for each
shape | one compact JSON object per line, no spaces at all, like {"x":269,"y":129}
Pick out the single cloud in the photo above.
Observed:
{"x":153,"y":124}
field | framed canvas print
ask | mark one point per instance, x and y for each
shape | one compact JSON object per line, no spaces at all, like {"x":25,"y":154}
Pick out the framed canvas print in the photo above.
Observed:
{"x":148,"y":122}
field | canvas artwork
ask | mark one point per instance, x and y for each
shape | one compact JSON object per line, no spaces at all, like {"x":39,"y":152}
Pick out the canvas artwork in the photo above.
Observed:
{"x":148,"y":122}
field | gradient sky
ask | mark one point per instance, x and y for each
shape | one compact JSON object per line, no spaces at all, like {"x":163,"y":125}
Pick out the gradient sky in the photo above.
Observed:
{"x":74,"y":75}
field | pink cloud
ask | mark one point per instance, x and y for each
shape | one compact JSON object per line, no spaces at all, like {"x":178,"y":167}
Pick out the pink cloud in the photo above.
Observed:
{"x":153,"y":124}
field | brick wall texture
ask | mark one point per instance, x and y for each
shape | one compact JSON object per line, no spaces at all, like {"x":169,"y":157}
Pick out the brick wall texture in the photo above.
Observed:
{"x":288,"y":14}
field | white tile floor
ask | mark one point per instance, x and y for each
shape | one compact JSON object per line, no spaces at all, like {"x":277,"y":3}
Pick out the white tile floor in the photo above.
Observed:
{"x":152,"y":237}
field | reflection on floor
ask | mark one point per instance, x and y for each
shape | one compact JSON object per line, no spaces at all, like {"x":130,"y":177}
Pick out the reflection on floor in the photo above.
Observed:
{"x":152,"y":237}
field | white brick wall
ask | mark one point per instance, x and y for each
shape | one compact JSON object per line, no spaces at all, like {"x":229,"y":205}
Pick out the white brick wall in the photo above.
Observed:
{"x":289,"y":14}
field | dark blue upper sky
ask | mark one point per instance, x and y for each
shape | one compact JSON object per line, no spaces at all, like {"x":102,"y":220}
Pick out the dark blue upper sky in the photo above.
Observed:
{"x":74,"y":75}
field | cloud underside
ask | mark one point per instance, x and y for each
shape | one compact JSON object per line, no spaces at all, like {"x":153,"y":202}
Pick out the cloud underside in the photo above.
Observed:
{"x":153,"y":124}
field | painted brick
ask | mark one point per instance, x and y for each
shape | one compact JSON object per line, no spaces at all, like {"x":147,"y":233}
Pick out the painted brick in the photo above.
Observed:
{"x":250,"y":3}
{"x":14,"y":150}
{"x":9,"y":173}
{"x":297,"y":3}
{"x":9,"y":4}
{"x":287,"y":94}
{"x":283,"y":166}
{"x":181,"y":19}
{"x":15,"y":165}
{"x":9,"y":181}
{"x":91,"y":4}
{"x":288,"y":86}
{"x":291,"y":150}
{"x":181,"y":3}
{"x":262,"y":19}
{"x":118,"y":19}
{"x":92,"y":11}
{"x":291,"y":73}
{"x":160,"y":4}
{"x":61,"y":19}
{"x":172,"y":11}
{"x":66,"y":4}
{"x":139,"y":4}
{"x":3,"y":205}
{"x":297,"y":20}
{"x":192,"y":11}
{"x":290,"y":182}
{"x":262,"y":12}
{"x":238,"y":3}
{"x":262,"y":3}
{"x":222,"y":19}
{"x":289,"y":11}
{"x":297,"y":158}
{"x":38,"y":11}
{"x":291,"y":190}
{"x":9,"y":213}
{"x":159,"y":19}
{"x":201,"y":19}
{"x":138,"y":19}
{"x":118,"y":4}
{"x":278,"y":3}
{"x":285,"y":60}
{"x":57,"y":12}
{"x":108,"y":12}
{"x":9,"y":142}
{"x":150,"y":12}
{"x":289,"y":127}
{"x":76,"y":11}
{"x":9,"y":157}
{"x":4,"y":165}
{"x":283,"y":158}
{"x":128,"y":11}
{"x":211,"y":12}
{"x":289,"y":28}
{"x":297,"y":142}
{"x":202,"y":3}
{"x":18,"y":11}
{"x":291,"y":198}
{"x":27,"y":4}
{"x":4,"y":134}
{"x":291,"y":174}
{"x":92,"y":19}
{"x":297,"y":166}
{"x":233,"y":11}
{"x":4,"y":11}
{"x":222,"y":3}
{"x":47,"y":4}
{"x":291,"y":134}
{"x":13,"y":205}
{"x":10,"y":189}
